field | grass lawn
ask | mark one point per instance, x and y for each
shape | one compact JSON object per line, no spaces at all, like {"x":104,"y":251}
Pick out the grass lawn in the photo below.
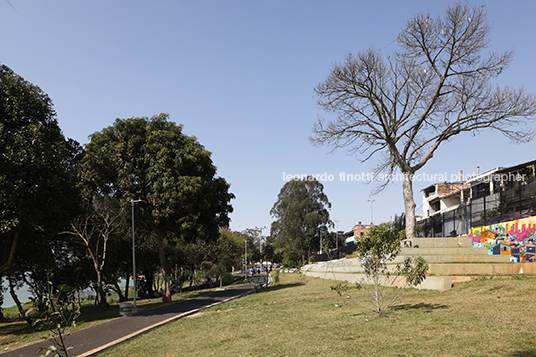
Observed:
{"x":16,"y":333}
{"x":486,"y":317}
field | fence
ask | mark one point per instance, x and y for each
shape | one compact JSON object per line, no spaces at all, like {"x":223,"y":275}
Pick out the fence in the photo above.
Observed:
{"x":489,"y":204}
{"x":333,"y":254}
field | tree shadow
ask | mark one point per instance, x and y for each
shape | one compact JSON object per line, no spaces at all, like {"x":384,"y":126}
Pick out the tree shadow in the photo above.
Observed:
{"x":523,"y":354}
{"x":281,"y":286}
{"x":390,"y":312}
{"x":421,"y":306}
{"x":14,"y":327}
{"x":94,"y":313}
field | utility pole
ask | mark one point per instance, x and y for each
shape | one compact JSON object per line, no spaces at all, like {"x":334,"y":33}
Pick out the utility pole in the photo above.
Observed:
{"x":134,"y":277}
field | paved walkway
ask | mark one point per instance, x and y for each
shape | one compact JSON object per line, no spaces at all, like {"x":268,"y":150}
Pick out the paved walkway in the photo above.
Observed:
{"x":261,"y":279}
{"x":95,"y":339}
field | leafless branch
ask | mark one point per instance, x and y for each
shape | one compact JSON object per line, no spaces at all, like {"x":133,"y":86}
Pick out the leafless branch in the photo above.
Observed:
{"x":437,"y":85}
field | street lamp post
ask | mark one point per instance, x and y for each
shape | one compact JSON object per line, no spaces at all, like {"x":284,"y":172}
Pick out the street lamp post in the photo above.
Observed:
{"x":260,"y":243}
{"x":320,"y":240}
{"x":246,"y":260}
{"x":371,"y":215}
{"x":134,"y":277}
{"x":260,"y":237}
{"x":337,"y":237}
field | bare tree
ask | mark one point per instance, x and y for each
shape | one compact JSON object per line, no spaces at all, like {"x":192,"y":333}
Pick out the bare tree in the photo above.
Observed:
{"x":93,"y":231}
{"x":436,"y":86}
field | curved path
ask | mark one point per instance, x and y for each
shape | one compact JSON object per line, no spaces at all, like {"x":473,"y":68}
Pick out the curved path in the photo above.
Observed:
{"x":95,"y":339}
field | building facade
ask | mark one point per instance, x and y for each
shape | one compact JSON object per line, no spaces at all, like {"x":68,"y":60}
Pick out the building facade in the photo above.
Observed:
{"x":358,"y":231}
{"x":498,"y":195}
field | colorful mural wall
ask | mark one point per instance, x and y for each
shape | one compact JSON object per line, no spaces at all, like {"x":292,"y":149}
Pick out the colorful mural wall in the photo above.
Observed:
{"x":515,"y":238}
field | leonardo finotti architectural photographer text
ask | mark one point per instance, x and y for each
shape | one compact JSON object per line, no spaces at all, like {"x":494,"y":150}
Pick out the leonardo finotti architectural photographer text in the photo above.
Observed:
{"x":370,"y":177}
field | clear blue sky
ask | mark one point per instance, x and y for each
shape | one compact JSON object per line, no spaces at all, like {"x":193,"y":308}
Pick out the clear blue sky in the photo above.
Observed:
{"x":240,"y":76}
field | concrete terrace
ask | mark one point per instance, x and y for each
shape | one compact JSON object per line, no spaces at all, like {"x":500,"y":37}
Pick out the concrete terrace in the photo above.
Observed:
{"x":450,"y":260}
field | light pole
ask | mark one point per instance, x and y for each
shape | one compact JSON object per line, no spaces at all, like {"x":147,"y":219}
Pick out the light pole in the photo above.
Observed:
{"x":260,"y":237}
{"x":320,"y":240}
{"x":246,"y":260}
{"x":371,"y":216}
{"x":337,"y":237}
{"x":134,"y":277}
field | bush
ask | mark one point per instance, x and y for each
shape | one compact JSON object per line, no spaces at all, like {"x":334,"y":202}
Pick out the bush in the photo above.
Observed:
{"x":61,"y":311}
{"x":276,"y":276}
{"x":379,"y":247}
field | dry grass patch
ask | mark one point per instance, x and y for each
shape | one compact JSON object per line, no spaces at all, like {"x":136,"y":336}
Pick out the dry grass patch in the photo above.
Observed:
{"x":206,"y":312}
{"x":486,"y":317}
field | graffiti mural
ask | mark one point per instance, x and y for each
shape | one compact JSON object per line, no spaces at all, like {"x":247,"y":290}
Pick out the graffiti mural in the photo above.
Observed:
{"x":515,"y":238}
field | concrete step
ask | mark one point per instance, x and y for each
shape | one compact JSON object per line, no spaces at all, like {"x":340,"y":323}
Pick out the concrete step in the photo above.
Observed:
{"x":497,"y":264}
{"x":445,"y":258}
{"x":443,"y":251}
{"x":430,"y":283}
{"x":436,"y":267}
{"x":481,"y":268}
{"x":444,"y":242}
{"x":458,"y":278}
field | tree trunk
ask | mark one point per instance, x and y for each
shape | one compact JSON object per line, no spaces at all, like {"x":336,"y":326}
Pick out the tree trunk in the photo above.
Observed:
{"x":149,"y":283}
{"x":97,"y":295}
{"x":100,"y":290}
{"x":16,"y":299}
{"x":181,"y":280}
{"x":409,"y":204}
{"x":2,"y":317}
{"x":117,"y":289}
{"x":127,"y":283}
{"x":166,"y":293}
{"x":6,"y":266}
{"x":103,"y":298}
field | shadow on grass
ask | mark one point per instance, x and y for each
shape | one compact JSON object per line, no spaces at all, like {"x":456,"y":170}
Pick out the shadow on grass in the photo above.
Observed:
{"x":523,"y":354}
{"x":421,"y":306}
{"x":281,"y":286}
{"x":11,"y":328}
{"x":19,"y":327}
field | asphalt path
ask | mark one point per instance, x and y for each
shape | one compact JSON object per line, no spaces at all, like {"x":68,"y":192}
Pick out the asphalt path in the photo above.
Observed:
{"x":95,"y":339}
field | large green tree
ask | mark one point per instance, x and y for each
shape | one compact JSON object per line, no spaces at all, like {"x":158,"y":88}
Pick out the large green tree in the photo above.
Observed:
{"x":152,"y":160}
{"x":233,"y":247}
{"x":437,"y":85}
{"x":37,"y":170}
{"x":300,"y":211}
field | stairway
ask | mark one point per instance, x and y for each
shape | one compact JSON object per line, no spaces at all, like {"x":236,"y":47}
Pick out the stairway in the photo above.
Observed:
{"x":456,"y":256}
{"x":450,"y":259}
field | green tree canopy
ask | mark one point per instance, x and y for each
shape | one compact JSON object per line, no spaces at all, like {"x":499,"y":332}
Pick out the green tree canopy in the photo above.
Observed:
{"x":38,"y":165}
{"x":151,"y":159}
{"x":300,"y":210}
